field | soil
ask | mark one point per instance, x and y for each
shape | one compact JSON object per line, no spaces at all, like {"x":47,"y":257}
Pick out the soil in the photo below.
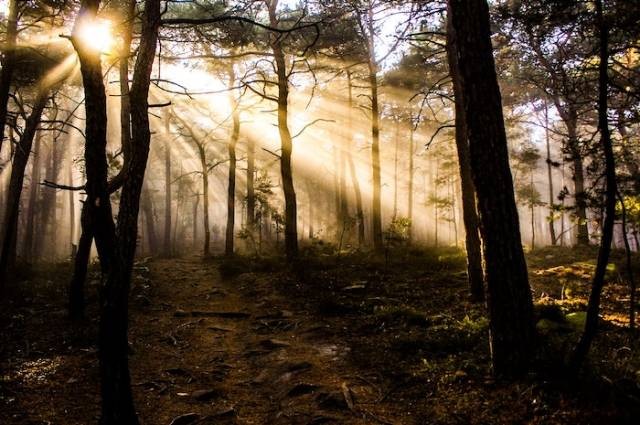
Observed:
{"x":345,"y":340}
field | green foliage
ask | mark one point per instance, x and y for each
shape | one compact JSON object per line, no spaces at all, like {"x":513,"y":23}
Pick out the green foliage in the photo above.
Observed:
{"x":529,"y":195}
{"x":632,"y":209}
{"x":398,"y":231}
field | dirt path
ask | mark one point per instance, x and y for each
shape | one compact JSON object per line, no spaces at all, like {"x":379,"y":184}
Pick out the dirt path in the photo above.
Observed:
{"x":349,"y":343}
{"x":236,"y":351}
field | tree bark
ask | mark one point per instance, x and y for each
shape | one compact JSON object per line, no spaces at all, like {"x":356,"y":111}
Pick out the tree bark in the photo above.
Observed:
{"x":117,"y":400}
{"x":552,"y":228}
{"x":469,"y":211}
{"x":72,"y":209}
{"x":376,"y":206}
{"x":578,"y":182}
{"x":286,"y":142}
{"x":231,"y":185}
{"x":509,"y":295}
{"x":205,"y":199}
{"x":411,"y":174}
{"x":396,"y":143}
{"x":79,"y":275}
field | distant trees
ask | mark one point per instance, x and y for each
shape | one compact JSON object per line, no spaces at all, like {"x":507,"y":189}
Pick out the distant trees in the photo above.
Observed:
{"x":551,"y":57}
{"x":526,"y":162}
{"x":37,"y":85}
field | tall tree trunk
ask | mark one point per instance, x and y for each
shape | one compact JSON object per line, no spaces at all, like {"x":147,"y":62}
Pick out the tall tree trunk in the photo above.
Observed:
{"x":166,"y":250}
{"x":343,"y":211}
{"x":72,"y":206}
{"x":593,"y":308}
{"x":231,"y":186}
{"x":196,"y":205}
{"x":411,"y":173}
{"x":150,"y":221}
{"x":336,"y":189}
{"x":12,"y":209}
{"x":578,"y":180}
{"x":8,"y":66}
{"x":469,"y":211}
{"x":286,"y":142}
{"x":78,"y":278}
{"x":98,"y":202}
{"x":395,"y":170}
{"x":436,"y":201}
{"x":552,"y":228}
{"x":28,"y":245}
{"x":251,"y":197}
{"x":117,"y":400}
{"x":310,"y":201}
{"x":509,"y":295}
{"x":376,"y":206}
{"x":205,"y":199}
{"x":352,"y":167}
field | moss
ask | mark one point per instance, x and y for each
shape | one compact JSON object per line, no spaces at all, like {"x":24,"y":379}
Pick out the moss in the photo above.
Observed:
{"x":577,"y":319}
{"x":402,"y":315}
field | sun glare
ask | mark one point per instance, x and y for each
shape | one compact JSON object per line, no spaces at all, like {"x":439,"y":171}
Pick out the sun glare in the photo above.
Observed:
{"x":97,"y":35}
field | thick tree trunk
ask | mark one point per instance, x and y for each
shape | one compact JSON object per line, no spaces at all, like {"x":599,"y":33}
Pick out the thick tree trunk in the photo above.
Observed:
{"x":593,"y":308}
{"x":77,"y":303}
{"x":469,"y":211}
{"x":117,"y":401}
{"x":12,"y":209}
{"x":8,"y":66}
{"x":509,"y":295}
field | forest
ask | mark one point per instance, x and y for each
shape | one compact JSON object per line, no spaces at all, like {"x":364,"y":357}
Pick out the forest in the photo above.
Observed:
{"x":319,"y":212}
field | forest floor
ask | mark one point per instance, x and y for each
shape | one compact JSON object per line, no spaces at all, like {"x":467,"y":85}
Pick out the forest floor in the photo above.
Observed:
{"x":345,"y":340}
